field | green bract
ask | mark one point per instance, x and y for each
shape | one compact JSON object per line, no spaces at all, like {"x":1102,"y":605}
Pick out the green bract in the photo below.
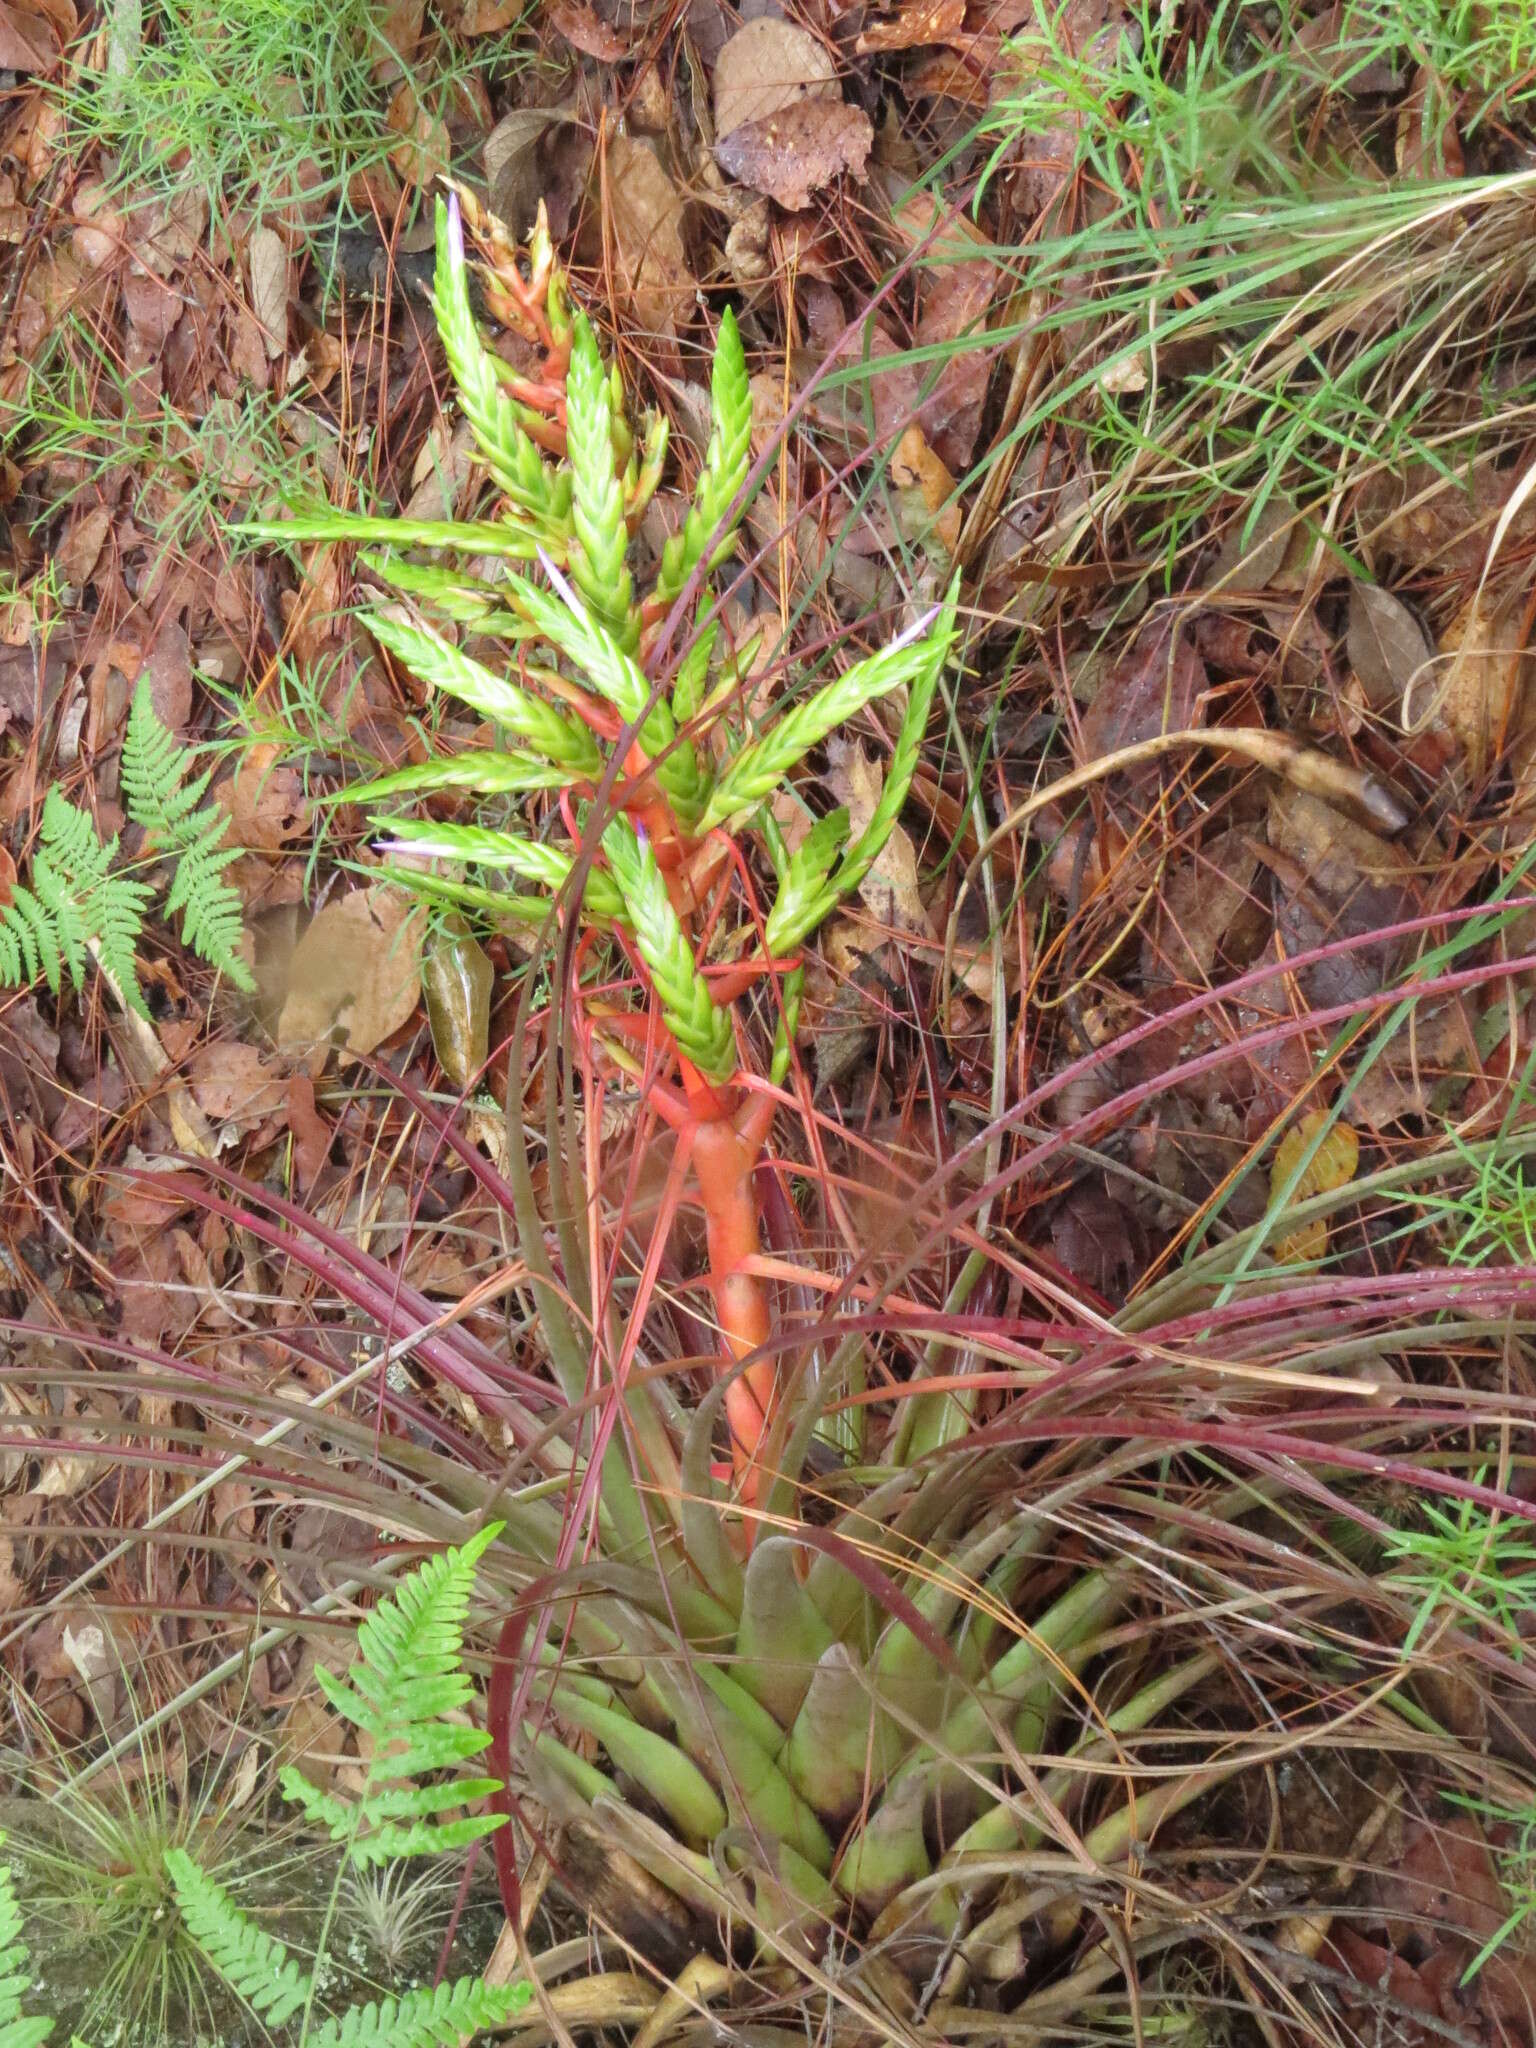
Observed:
{"x":549,"y":578}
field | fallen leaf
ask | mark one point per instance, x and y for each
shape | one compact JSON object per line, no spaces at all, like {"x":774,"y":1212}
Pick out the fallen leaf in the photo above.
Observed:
{"x":268,"y":259}
{"x":795,"y":152}
{"x":1387,"y":646}
{"x":890,"y":889}
{"x":586,"y":31}
{"x":645,"y":210}
{"x":1154,"y":687}
{"x":356,"y":971}
{"x":311,"y":1133}
{"x":924,"y":21}
{"x":1338,"y":881}
{"x":265,"y":800}
{"x":765,"y":67}
{"x":457,"y":977}
{"x":1479,"y":686}
{"x":233,"y":1083}
{"x":1099,"y":1241}
{"x":1272,"y":554}
{"x":27,"y":43}
{"x":425,"y":151}
{"x":80,"y":549}
{"x":928,"y":492}
{"x":1200,"y":903}
{"x":489,"y":17}
{"x":513,"y":174}
{"x":1332,"y":1165}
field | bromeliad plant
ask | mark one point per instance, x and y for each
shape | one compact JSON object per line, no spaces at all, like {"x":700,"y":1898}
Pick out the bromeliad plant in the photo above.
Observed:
{"x":652,"y":794}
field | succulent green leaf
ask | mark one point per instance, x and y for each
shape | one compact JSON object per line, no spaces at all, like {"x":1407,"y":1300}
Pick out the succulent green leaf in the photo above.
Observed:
{"x":530,"y":859}
{"x":479,"y":774}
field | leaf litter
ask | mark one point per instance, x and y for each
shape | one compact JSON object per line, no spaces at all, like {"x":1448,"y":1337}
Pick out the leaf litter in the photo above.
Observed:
{"x":1201,"y":939}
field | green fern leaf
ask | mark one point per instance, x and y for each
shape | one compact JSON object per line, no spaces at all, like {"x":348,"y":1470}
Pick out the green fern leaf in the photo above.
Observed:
{"x":75,"y":904}
{"x":427,"y":2017}
{"x":252,"y":1961}
{"x":407,"y":1680}
{"x":15,"y":1972}
{"x":163,"y":800}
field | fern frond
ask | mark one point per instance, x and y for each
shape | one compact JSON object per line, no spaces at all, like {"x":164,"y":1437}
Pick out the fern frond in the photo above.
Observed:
{"x":253,"y":1962}
{"x":15,"y":1972}
{"x":725,"y":469}
{"x":163,"y":799}
{"x":75,"y":903}
{"x":427,"y":2017}
{"x":701,"y":1028}
{"x":406,"y":1682}
{"x":759,"y":768}
{"x":597,"y":562}
{"x":427,"y":654}
{"x":509,"y":452}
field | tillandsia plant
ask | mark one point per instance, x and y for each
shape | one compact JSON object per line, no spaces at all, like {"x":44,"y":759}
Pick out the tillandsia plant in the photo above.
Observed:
{"x":652,"y":796}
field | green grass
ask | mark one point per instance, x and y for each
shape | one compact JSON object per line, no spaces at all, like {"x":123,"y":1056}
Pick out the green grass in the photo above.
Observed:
{"x":1244,"y":299}
{"x":272,"y":105}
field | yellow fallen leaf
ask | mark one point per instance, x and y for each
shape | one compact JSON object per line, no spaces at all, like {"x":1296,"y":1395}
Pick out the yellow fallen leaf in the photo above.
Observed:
{"x":1333,"y":1165}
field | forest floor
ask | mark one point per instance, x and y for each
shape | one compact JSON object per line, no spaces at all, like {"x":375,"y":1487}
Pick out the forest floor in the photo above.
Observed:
{"x":1164,"y":1117}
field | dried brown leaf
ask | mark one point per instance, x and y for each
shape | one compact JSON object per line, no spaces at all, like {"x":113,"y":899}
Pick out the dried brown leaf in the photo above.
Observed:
{"x":921,"y":21}
{"x":890,"y":889}
{"x":27,"y":41}
{"x":585,"y":30}
{"x":791,"y":154}
{"x":1387,"y":646}
{"x":765,"y":67}
{"x":268,"y":260}
{"x":356,"y":971}
{"x":646,"y":213}
{"x":1478,"y":689}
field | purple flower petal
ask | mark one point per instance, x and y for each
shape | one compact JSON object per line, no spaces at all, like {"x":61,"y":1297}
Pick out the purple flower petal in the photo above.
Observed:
{"x":455,"y":227}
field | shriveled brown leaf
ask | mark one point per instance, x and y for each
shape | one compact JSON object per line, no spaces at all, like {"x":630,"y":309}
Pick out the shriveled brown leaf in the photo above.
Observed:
{"x":1336,"y":880}
{"x":425,"y":150}
{"x":585,"y":30}
{"x":1425,"y":519}
{"x":356,"y":972}
{"x":81,"y":547}
{"x":766,"y":66}
{"x":1387,"y":646}
{"x":265,"y":800}
{"x":1154,"y":687}
{"x":1272,"y":554}
{"x":235,"y":1084}
{"x":921,"y":21}
{"x":795,"y":152}
{"x":489,"y":17}
{"x":646,"y":214}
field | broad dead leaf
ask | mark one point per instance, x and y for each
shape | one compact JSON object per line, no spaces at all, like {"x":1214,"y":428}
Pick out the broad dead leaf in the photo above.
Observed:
{"x":234,"y":1084}
{"x":890,"y":889}
{"x":921,"y":21}
{"x":765,"y":67}
{"x":1332,"y":1165}
{"x":791,"y":154}
{"x":646,"y":212}
{"x":1480,"y":683}
{"x":268,"y":258}
{"x":585,"y":30}
{"x":1387,"y":646}
{"x":27,"y":41}
{"x":1272,"y":554}
{"x":81,"y":547}
{"x":1201,"y":902}
{"x":356,"y":972}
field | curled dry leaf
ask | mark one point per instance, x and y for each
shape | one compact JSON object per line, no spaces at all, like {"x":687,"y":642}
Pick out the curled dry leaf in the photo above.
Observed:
{"x":645,"y":210}
{"x":922,"y":21}
{"x":791,"y":154}
{"x":765,"y":67}
{"x":929,"y":507}
{"x":356,"y":971}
